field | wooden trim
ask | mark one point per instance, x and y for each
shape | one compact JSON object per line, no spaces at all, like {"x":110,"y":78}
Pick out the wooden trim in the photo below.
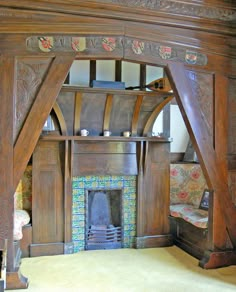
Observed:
{"x":166,"y":120}
{"x":60,"y":118}
{"x":118,"y":70}
{"x":140,"y":191}
{"x":78,"y":106}
{"x":145,"y":162}
{"x":72,"y":88}
{"x":7,"y":69}
{"x":153,"y":241}
{"x":138,"y":104}
{"x":33,"y":125}
{"x":107,"y":114}
{"x":92,"y":72}
{"x":67,"y":195}
{"x":154,"y":114}
{"x":142,"y":77}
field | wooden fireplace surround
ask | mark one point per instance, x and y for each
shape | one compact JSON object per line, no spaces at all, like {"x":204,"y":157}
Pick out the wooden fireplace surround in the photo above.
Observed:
{"x":198,"y":42}
{"x":62,"y":157}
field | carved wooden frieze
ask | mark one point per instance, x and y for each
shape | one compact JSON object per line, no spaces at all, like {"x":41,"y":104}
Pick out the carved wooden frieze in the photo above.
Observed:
{"x":162,"y":52}
{"x":30,"y":74}
{"x":100,"y":45}
{"x":110,"y":46}
{"x":188,"y":9}
{"x":203,"y":84}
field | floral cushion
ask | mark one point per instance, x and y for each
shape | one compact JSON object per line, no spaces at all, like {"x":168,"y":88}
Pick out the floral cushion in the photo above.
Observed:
{"x":190,"y":214}
{"x":23,"y":193}
{"x":187,"y":184}
{"x":21,"y":218}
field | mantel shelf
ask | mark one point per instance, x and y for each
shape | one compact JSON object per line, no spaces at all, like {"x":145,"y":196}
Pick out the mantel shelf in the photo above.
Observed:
{"x":71,"y":88}
{"x":105,"y":139}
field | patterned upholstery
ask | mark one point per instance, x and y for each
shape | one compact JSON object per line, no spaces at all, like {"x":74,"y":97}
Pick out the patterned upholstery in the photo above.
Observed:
{"x":187,"y":184}
{"x":23,"y":194}
{"x":190,"y":214}
{"x":22,"y":203}
{"x":21,"y":218}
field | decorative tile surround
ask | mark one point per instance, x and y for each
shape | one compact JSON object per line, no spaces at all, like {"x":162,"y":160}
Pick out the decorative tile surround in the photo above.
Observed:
{"x":79,"y":187}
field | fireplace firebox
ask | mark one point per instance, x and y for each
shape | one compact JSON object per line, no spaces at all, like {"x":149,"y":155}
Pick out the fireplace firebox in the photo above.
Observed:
{"x":104,"y":228}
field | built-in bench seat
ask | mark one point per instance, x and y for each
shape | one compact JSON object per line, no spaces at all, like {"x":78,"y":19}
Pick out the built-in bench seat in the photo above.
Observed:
{"x":189,"y":223}
{"x":191,"y":214}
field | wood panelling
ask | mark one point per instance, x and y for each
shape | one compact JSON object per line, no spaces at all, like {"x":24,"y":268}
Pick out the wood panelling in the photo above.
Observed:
{"x":111,"y":158}
{"x":152,"y":192}
{"x":140,"y":29}
{"x":47,"y":195}
{"x":116,"y":110}
{"x":33,"y":125}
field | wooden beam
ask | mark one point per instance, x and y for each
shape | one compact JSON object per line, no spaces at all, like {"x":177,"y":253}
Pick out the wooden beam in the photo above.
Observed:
{"x":67,"y":194}
{"x":61,"y":119}
{"x":134,"y":125}
{"x":93,"y":71}
{"x":78,"y":106}
{"x":39,"y":112}
{"x":118,"y":70}
{"x":213,"y":166}
{"x":107,"y":114}
{"x":142,"y":78}
{"x":154,"y":114}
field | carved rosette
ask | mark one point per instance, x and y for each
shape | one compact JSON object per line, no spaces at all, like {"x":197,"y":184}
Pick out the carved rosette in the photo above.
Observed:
{"x":114,"y":46}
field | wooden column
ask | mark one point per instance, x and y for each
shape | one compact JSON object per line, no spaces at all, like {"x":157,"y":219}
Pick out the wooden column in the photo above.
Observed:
{"x":6,"y":156}
{"x":14,"y":278}
{"x":153,"y":196}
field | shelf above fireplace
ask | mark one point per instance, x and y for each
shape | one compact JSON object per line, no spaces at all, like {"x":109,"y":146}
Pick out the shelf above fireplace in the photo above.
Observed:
{"x":105,"y":139}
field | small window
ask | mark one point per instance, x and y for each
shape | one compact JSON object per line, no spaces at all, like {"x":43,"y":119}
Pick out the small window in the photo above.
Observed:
{"x":49,"y":125}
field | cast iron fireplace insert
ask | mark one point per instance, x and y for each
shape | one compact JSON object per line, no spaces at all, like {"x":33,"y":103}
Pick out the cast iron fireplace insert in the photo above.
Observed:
{"x":103,"y":219}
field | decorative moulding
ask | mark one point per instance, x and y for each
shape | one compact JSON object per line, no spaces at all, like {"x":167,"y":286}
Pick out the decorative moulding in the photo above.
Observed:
{"x":118,"y":45}
{"x":183,"y":8}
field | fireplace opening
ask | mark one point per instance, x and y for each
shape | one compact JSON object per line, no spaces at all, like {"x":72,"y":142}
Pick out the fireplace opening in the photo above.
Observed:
{"x":103,"y":219}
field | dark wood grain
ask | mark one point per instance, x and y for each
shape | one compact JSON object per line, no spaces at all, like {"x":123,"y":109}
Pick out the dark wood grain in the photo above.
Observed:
{"x":78,"y":105}
{"x":136,"y":112}
{"x":35,"y":120}
{"x":214,"y":168}
{"x":6,"y":156}
{"x":48,"y":195}
{"x":60,"y":118}
{"x":107,"y":114}
{"x":205,"y":29}
{"x":154,"y":115}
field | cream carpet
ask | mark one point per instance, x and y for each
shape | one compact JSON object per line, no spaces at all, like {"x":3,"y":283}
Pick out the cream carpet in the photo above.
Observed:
{"x":121,"y":270}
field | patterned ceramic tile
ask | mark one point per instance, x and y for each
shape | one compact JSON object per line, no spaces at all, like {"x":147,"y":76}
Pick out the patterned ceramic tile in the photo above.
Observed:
{"x":125,"y":183}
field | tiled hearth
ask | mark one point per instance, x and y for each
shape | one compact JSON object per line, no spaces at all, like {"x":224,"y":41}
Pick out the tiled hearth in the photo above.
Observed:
{"x":81,"y":184}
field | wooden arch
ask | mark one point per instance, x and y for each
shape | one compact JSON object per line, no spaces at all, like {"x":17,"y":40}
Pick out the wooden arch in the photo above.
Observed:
{"x":175,"y":29}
